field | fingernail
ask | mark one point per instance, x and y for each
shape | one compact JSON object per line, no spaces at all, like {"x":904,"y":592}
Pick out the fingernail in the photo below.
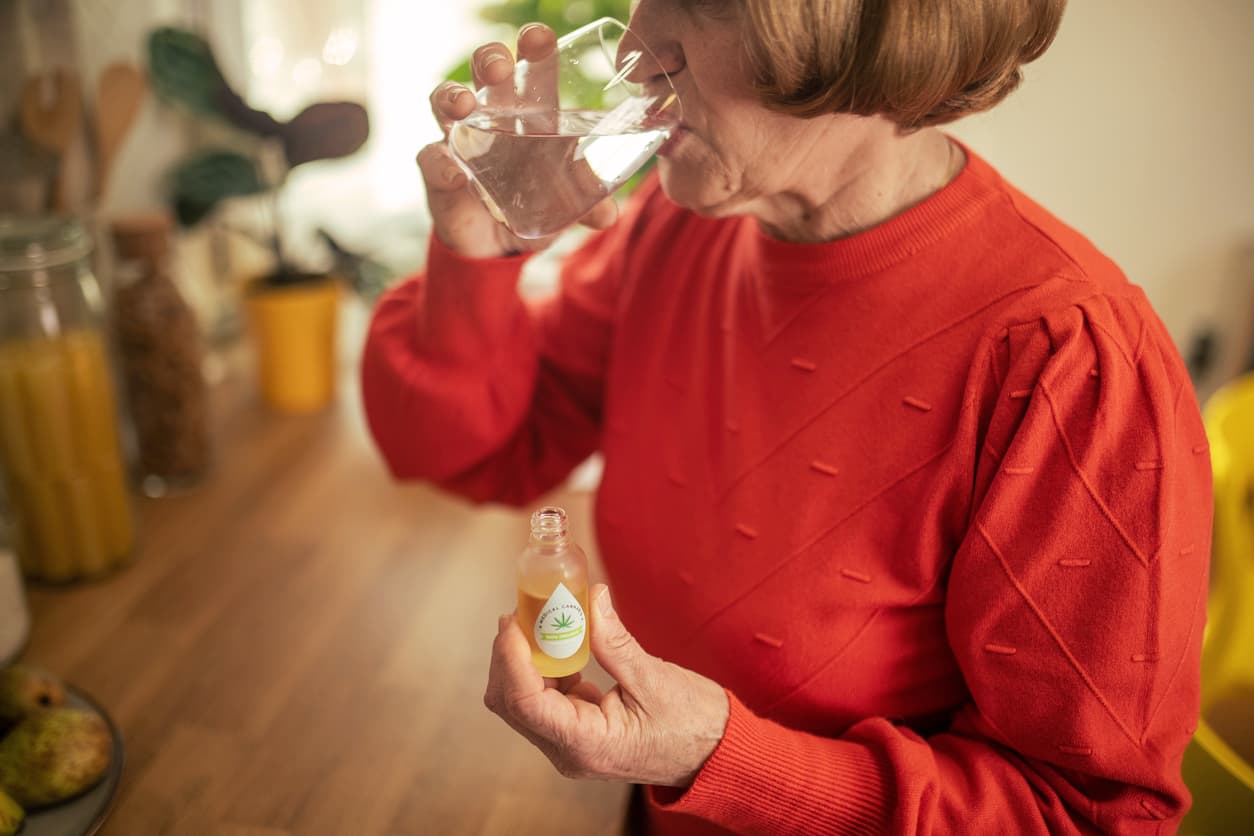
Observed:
{"x":490,"y":59}
{"x":604,"y":604}
{"x":451,"y":174}
{"x":454,"y":94}
{"x":528,"y":28}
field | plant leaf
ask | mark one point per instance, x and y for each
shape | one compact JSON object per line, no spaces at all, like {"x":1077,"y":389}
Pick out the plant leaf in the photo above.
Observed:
{"x":183,"y":69}
{"x":200,"y":183}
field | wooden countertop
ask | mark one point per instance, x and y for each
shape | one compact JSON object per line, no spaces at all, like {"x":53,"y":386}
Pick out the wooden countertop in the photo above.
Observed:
{"x":301,"y":646}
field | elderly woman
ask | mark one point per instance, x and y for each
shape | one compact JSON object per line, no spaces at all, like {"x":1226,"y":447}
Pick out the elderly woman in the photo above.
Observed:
{"x":906,"y":501}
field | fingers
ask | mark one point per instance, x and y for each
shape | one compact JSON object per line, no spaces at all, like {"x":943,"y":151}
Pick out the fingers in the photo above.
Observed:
{"x":615,"y":648}
{"x":601,"y":216}
{"x":563,"y":684}
{"x":537,"y":89}
{"x":439,"y":170}
{"x":536,"y":42}
{"x":512,"y":679}
{"x":449,"y":102}
{"x":586,"y":691}
{"x":575,"y":686}
{"x":517,"y":694}
{"x":561,"y":717}
{"x":492,"y":66}
{"x":511,"y":662}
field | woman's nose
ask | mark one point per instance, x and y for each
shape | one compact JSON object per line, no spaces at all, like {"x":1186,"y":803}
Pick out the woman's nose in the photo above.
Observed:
{"x":648,"y":34}
{"x":641,"y":61}
{"x":670,"y":58}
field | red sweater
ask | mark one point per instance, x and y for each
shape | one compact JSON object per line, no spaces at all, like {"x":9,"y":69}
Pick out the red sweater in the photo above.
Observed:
{"x":932,"y":502}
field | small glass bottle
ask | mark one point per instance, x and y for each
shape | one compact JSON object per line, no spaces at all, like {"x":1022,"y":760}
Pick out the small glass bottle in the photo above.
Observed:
{"x":553,"y":596}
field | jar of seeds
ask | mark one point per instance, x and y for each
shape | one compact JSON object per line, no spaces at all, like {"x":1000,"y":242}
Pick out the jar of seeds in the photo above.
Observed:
{"x":160,"y":352}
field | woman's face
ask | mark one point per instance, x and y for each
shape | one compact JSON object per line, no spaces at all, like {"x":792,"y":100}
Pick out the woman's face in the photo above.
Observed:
{"x":731,"y":151}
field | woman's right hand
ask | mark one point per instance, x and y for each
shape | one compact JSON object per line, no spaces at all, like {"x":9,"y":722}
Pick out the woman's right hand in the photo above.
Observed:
{"x":460,"y":218}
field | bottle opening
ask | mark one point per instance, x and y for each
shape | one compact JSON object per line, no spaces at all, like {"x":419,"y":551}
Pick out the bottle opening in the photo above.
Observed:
{"x":549,"y":523}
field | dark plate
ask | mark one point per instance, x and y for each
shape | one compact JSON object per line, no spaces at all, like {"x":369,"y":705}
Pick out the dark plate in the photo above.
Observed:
{"x":81,"y":816}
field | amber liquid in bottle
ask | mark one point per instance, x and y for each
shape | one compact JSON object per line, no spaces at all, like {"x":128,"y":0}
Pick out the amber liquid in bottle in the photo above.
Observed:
{"x":553,"y":596}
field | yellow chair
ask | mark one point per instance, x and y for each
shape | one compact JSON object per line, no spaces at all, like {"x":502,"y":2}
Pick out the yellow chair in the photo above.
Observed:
{"x":1217,"y":768}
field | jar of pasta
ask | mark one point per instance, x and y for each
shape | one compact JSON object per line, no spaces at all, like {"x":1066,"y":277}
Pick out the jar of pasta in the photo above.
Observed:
{"x":60,"y":453}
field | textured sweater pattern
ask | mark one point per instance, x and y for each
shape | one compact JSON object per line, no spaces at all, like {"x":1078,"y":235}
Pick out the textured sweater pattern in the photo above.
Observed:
{"x":931,"y":502}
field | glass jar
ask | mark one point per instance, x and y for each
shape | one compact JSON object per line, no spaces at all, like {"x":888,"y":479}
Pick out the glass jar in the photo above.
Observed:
{"x":60,"y":453}
{"x":160,"y":353}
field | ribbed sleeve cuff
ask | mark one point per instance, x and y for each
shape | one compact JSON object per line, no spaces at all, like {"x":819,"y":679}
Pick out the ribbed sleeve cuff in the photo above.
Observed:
{"x":441,"y":258}
{"x":765,"y":778}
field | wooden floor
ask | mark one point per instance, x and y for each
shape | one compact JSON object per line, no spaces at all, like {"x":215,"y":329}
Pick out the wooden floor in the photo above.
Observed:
{"x":301,"y":646}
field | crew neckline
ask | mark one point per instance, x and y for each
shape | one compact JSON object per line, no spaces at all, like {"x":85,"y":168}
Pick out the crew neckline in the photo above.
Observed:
{"x":880,"y":247}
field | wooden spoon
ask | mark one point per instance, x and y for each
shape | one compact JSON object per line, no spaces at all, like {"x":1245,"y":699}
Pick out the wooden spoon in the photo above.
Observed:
{"x":51,"y":116}
{"x":120,"y":92}
{"x":52,"y":109}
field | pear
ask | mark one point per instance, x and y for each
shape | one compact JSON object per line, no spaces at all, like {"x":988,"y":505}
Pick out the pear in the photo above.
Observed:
{"x":24,"y":690}
{"x":11,"y":815}
{"x":53,"y":755}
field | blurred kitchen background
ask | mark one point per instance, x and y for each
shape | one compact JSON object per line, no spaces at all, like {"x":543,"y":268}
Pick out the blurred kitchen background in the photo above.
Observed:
{"x":1135,"y":127}
{"x":284,"y":640}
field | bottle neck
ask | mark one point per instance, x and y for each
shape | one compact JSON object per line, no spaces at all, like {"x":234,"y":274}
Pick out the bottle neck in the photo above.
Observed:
{"x":548,"y":528}
{"x":549,"y":545}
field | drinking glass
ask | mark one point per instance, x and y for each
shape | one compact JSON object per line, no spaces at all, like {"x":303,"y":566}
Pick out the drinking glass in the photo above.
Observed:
{"x":579,"y":123}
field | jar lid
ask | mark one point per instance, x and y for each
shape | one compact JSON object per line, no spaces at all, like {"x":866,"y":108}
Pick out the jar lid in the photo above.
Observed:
{"x":41,"y":241}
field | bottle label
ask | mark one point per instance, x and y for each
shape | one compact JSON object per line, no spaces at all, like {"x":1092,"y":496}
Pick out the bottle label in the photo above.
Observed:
{"x":561,"y":624}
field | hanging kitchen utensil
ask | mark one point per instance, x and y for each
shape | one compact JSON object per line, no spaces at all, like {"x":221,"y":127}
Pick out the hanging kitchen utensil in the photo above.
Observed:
{"x":50,"y":115}
{"x":120,"y":92}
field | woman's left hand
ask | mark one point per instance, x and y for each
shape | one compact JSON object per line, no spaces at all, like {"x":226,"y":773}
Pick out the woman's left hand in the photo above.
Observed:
{"x":658,"y":725}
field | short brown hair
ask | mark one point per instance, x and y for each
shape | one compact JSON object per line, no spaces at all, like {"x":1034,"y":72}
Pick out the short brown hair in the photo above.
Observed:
{"x":917,"y":62}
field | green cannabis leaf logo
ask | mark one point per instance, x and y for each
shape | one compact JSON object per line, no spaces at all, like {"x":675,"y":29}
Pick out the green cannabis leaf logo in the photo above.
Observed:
{"x":563,"y":622}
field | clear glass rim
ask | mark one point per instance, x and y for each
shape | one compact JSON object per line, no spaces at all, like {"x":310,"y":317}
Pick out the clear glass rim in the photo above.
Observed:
{"x":52,"y":241}
{"x":599,"y":25}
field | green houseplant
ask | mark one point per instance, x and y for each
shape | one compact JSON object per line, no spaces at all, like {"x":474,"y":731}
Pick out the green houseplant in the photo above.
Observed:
{"x":184,"y":71}
{"x":292,"y":312}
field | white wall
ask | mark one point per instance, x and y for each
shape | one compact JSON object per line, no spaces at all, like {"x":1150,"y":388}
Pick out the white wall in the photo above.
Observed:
{"x":1137,"y":128}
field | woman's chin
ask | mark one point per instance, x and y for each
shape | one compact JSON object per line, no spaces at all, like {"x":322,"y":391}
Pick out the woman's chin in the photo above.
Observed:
{"x":687,"y":187}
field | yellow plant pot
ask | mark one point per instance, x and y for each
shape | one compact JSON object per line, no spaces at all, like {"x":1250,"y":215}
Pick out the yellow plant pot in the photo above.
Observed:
{"x":294,"y":336}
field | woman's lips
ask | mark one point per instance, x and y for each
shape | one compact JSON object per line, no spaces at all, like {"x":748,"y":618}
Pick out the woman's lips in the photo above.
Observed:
{"x":668,"y":147}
